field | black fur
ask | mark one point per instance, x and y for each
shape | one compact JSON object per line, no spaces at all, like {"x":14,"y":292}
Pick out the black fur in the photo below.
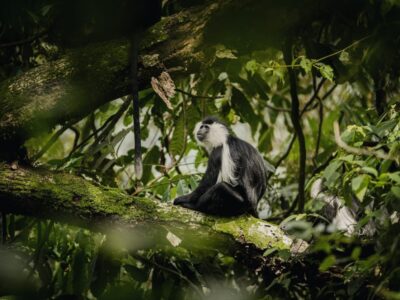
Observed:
{"x":222,"y":198}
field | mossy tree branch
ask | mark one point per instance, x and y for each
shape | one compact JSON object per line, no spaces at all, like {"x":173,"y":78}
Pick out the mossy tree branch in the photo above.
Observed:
{"x":85,"y":78}
{"x":71,"y":199}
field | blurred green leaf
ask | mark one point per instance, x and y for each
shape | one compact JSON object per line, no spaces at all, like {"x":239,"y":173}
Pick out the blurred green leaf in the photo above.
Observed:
{"x":179,"y":136}
{"x":359,"y":186}
{"x":306,"y":64}
{"x":328,"y":262}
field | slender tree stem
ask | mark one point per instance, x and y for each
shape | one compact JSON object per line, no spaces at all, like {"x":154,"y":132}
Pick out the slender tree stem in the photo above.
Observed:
{"x":321,"y":120}
{"x":3,"y":227}
{"x":295,"y":116}
{"x":135,"y":101}
{"x":288,"y":149}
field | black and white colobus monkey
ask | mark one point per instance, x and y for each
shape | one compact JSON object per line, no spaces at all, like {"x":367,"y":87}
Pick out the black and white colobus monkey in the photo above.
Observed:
{"x":235,"y":178}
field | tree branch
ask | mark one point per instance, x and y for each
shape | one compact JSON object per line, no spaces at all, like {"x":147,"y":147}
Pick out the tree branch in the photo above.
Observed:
{"x":295,"y":116}
{"x":85,"y":78}
{"x":357,"y":151}
{"x":69,"y":198}
{"x":23,"y":41}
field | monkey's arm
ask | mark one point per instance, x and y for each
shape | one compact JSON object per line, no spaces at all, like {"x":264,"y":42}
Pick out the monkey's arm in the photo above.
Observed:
{"x":209,"y":179}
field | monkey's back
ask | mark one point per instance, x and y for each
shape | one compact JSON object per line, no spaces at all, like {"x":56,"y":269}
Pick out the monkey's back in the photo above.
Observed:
{"x":250,"y":169}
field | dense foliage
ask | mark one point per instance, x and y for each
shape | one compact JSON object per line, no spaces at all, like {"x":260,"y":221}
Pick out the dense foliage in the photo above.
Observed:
{"x":313,"y":85}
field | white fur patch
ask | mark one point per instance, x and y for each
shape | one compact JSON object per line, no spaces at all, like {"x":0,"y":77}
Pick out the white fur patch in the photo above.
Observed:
{"x":218,"y":136}
{"x":227,"y":173}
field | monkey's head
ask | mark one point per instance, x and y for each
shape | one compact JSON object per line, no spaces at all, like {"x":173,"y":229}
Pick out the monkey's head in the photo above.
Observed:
{"x":211,"y":133}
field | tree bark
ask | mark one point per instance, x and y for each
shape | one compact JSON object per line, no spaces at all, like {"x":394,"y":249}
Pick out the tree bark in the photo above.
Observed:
{"x":68,"y":198}
{"x":85,"y":78}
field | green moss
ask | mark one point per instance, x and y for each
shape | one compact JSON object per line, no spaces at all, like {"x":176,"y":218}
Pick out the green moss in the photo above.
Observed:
{"x":248,"y":229}
{"x":55,"y":194}
{"x":156,"y":34}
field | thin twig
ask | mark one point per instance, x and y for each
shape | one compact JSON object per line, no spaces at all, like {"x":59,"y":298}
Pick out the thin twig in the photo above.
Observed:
{"x":344,"y":49}
{"x":50,"y":142}
{"x":287,"y":65}
{"x":313,"y":97}
{"x":180,"y":275}
{"x":354,"y":150}
{"x":326,"y":95}
{"x":94,"y":133}
{"x":323,"y":165}
{"x":76,"y":138}
{"x":110,"y":126}
{"x":278,"y":109}
{"x":23,"y":41}
{"x":321,"y":120}
{"x":197,"y":96}
{"x":288,"y":149}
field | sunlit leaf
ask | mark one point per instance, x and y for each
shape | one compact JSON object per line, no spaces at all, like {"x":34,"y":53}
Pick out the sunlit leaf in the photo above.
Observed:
{"x":359,"y":186}
{"x":306,"y":64}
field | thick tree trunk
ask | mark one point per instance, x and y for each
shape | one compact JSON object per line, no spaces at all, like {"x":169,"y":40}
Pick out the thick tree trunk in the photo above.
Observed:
{"x":83,"y":79}
{"x":68,"y":198}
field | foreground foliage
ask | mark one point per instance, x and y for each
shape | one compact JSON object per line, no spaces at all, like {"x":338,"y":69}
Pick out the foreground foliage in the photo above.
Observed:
{"x":316,"y":93}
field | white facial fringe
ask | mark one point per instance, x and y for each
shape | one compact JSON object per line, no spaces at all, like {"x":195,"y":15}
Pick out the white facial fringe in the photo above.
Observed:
{"x":218,"y":136}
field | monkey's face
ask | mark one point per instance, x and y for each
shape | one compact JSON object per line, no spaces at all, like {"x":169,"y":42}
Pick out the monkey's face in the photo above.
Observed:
{"x":202,"y":132}
{"x":211,"y":133}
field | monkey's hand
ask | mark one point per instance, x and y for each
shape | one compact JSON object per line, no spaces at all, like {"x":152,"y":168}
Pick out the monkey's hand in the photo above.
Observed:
{"x":182,"y":200}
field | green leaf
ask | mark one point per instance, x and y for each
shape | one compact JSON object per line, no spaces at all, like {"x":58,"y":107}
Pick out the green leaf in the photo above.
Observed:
{"x":396,"y":191}
{"x":347,"y":158}
{"x":223,"y":52}
{"x":181,"y":188}
{"x":252,"y":66}
{"x":178,"y":140}
{"x":46,"y":9}
{"x":370,"y":170}
{"x":193,"y":183}
{"x":328,"y":262}
{"x":331,"y":174}
{"x":359,"y":185}
{"x":269,"y":251}
{"x":152,"y":157}
{"x":395,"y":177}
{"x":384,"y":128}
{"x":344,"y":56}
{"x":326,"y":71}
{"x":355,"y":254}
{"x":244,"y":109}
{"x":166,"y":196}
{"x":34,"y":17}
{"x":128,"y":119}
{"x":306,"y":64}
{"x":193,"y":116}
